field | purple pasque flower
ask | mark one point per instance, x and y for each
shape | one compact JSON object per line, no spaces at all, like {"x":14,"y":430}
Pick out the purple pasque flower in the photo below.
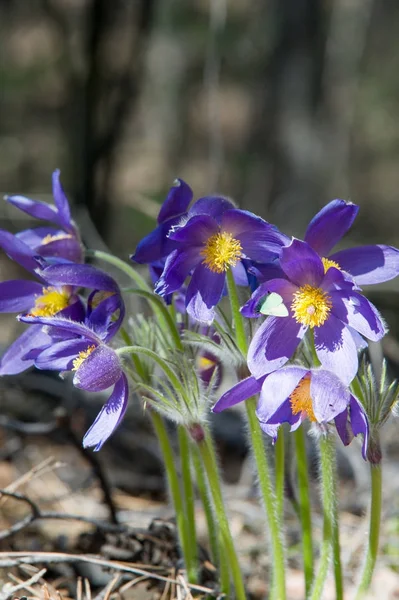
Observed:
{"x":55,"y":293}
{"x":322,"y":301}
{"x":216,"y":237}
{"x":82,"y":348}
{"x":366,"y":264}
{"x":62,"y":242}
{"x":156,"y":245}
{"x":293,"y":394}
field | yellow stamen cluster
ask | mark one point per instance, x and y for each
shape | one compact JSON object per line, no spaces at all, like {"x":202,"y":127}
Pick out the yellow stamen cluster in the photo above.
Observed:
{"x":301,"y":401}
{"x":327,"y":264}
{"x":81,"y":357}
{"x":311,"y":306}
{"x":50,"y":303}
{"x":221,"y":252}
{"x":54,"y":238}
{"x":204,"y":363}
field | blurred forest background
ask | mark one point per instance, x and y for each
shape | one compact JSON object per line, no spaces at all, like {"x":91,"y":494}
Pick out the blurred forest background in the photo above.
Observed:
{"x":281,"y":104}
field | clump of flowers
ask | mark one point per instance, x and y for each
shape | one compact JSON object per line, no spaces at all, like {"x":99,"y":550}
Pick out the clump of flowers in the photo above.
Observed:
{"x":298,"y":320}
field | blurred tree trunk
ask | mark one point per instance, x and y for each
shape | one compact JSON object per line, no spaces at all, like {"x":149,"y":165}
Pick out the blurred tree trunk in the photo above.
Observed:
{"x":103,"y":81}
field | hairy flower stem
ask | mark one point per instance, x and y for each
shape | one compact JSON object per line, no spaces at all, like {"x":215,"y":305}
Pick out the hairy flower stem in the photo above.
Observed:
{"x":374,"y":531}
{"x":215,"y":542}
{"x":279,"y":469}
{"x":304,"y":506}
{"x":175,"y":491}
{"x":327,"y":472}
{"x":189,"y":502}
{"x":209,"y":461}
{"x":263,"y":471}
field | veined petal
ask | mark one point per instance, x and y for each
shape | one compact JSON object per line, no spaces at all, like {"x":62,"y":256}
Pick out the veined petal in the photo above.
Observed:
{"x":109,"y":417}
{"x":60,"y":356}
{"x":241,"y":391}
{"x":329,"y":395}
{"x":73,"y":328}
{"x":273,"y":344}
{"x":302,"y":264}
{"x":61,"y":202}
{"x":156,"y":244}
{"x":18,"y":295}
{"x":177,"y":201}
{"x":203,"y":293}
{"x":13,"y":361}
{"x":276,"y":389}
{"x":35,"y":208}
{"x":18,"y":251}
{"x":330,"y":225}
{"x":196,"y":231}
{"x":356,"y":311}
{"x":67,"y":248}
{"x":336,"y":349}
{"x":213,"y":206}
{"x":177,"y":267}
{"x":369,"y":264}
{"x":237,"y":221}
{"x":100,"y":370}
{"x":79,"y":275}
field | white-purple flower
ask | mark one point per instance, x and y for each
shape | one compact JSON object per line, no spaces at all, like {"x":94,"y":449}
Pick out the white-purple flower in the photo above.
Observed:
{"x":366,"y":264}
{"x":62,"y":243}
{"x":317,"y":297}
{"x":293,"y":394}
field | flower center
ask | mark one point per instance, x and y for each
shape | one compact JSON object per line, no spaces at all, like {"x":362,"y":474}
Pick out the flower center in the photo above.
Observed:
{"x":81,"y":357}
{"x":54,"y":238}
{"x":311,"y":306}
{"x":204,"y":363}
{"x":301,"y":401}
{"x":327,"y":264}
{"x":221,"y":252}
{"x":50,"y":303}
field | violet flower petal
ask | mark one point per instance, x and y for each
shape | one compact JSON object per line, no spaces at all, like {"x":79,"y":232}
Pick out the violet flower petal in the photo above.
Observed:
{"x":369,"y":264}
{"x":60,"y":356}
{"x":156,"y":244}
{"x":109,"y":417}
{"x":80,"y":276}
{"x":100,"y":370}
{"x":68,"y":249}
{"x":336,"y":349}
{"x":18,"y":295}
{"x":241,"y":391}
{"x":203,"y":293}
{"x":276,"y":389}
{"x":329,"y":395}
{"x":62,"y":204}
{"x":177,"y":201}
{"x":359,"y":423}
{"x":330,"y":225}
{"x":177,"y":267}
{"x":72,"y":328}
{"x":196,"y":231}
{"x":302,"y":264}
{"x":356,"y":311}
{"x":35,"y":208}
{"x":34,"y":237}
{"x":273,"y":344}
{"x":213,"y":206}
{"x":13,"y":361}
{"x":18,"y":251}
